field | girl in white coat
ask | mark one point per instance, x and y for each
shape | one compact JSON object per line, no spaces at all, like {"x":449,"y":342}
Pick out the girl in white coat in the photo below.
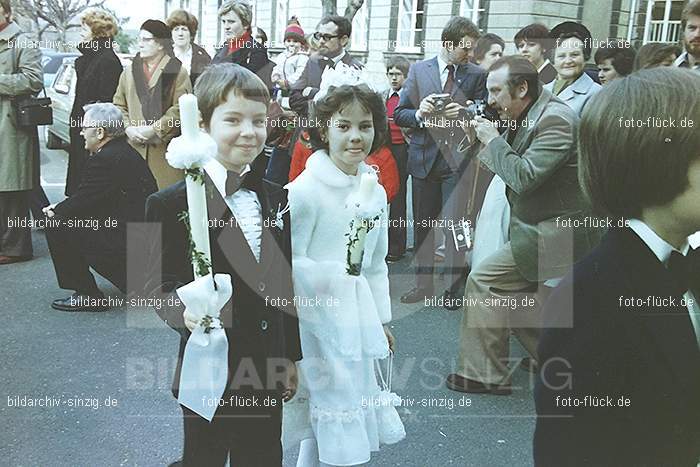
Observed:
{"x":340,"y":411}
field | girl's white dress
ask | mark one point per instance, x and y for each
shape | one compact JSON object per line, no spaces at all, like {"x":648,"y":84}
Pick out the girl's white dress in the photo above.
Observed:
{"x":339,"y":401}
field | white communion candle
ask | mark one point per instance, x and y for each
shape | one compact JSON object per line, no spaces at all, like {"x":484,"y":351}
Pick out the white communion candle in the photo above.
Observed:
{"x":189,"y":116}
{"x":367,"y":183}
{"x":197,"y":208}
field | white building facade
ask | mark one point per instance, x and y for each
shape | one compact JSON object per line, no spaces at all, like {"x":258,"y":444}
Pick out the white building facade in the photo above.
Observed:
{"x":382,"y":28}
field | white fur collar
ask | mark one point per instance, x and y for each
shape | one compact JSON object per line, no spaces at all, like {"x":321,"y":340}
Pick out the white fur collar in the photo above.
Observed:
{"x":319,"y":164}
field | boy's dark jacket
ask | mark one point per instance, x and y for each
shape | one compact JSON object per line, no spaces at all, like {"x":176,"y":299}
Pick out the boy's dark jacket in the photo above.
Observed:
{"x":648,"y":355}
{"x":257,"y":331}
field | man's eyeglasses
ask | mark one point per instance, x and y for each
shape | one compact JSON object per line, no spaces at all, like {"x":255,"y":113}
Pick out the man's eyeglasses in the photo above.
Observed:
{"x":326,"y":37}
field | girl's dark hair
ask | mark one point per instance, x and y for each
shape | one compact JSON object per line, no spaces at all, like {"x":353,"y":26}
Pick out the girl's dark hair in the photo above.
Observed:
{"x":339,"y":98}
{"x":621,"y":57}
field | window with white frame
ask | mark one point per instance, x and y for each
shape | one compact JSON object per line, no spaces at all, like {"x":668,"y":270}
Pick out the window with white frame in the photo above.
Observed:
{"x":281,"y":17}
{"x":663,"y":21}
{"x":360,"y":26}
{"x":410,"y":26}
{"x":471,"y":9}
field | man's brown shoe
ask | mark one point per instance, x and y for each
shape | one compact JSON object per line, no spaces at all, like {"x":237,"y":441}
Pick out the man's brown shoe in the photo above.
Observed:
{"x":13,"y":259}
{"x":459,"y":383}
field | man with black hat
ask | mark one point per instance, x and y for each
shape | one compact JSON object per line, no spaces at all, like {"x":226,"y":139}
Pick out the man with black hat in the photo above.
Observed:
{"x":148,"y":94}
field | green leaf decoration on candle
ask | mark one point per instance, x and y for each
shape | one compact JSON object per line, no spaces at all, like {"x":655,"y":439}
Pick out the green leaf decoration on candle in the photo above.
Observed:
{"x":195,"y":174}
{"x":198,"y":258}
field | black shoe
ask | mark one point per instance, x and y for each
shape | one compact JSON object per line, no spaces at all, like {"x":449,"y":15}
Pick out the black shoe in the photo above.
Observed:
{"x":81,"y":302}
{"x":451,"y":301}
{"x":459,"y":383}
{"x":416,"y":295}
{"x":393,"y":258}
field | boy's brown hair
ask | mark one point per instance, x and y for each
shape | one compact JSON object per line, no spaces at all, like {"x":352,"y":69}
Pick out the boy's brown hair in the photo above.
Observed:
{"x":625,"y":168}
{"x":214,"y":85}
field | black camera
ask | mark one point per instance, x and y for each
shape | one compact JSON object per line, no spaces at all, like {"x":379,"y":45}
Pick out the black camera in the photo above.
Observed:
{"x":476,"y":108}
{"x":440,"y":101}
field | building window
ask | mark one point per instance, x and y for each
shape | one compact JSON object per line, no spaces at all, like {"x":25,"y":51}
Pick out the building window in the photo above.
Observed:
{"x":663,"y":21}
{"x":360,"y":29}
{"x":410,"y":26}
{"x":281,"y":15}
{"x":471,"y":9}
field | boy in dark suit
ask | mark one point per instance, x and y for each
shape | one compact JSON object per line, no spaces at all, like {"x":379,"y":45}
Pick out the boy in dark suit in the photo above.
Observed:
{"x":620,"y":383}
{"x":250,"y":240}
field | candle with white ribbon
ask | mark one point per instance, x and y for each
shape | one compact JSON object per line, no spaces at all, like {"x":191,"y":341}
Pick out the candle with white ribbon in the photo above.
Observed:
{"x":205,"y":361}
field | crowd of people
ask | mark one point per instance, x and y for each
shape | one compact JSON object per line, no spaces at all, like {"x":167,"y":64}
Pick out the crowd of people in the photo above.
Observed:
{"x":540,"y":181}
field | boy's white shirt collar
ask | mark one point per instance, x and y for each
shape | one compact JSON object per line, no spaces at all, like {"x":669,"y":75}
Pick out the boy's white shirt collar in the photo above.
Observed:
{"x":660,"y":247}
{"x":218,"y":173}
{"x":544,"y":64}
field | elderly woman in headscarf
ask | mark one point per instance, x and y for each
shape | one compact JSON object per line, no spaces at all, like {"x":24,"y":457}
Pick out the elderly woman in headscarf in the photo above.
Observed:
{"x":148,"y":94}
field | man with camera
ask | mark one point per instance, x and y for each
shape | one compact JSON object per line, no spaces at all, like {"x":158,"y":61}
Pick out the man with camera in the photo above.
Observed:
{"x":536,"y":158}
{"x":432,"y":100}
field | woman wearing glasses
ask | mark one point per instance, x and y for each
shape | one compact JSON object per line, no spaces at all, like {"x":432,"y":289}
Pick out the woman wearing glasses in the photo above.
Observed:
{"x":147,"y":95}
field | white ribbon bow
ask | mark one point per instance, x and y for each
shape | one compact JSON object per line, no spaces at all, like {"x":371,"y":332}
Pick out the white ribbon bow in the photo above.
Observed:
{"x":205,"y":362}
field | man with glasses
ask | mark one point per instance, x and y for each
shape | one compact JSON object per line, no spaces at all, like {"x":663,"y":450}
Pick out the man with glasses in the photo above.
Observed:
{"x":88,"y":230}
{"x":431,"y":102}
{"x":333,"y":35}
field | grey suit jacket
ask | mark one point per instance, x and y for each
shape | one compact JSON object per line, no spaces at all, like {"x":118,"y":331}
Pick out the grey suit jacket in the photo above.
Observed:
{"x":577,"y":94}
{"x":540,"y":171}
{"x":423,"y":80}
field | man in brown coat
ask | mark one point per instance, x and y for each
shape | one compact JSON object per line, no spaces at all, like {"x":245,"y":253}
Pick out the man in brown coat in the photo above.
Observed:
{"x":148,"y":94}
{"x":20,"y":74}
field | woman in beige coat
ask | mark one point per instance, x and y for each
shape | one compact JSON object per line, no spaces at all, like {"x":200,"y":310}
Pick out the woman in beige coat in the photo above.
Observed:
{"x":20,"y":74}
{"x":148,"y":94}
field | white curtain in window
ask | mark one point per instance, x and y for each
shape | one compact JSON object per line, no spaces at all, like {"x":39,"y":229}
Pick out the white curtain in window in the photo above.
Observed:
{"x":360,"y":24}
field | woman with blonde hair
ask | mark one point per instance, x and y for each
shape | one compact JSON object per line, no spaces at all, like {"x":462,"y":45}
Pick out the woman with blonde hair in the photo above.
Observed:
{"x":97,"y":71}
{"x":240,"y":46}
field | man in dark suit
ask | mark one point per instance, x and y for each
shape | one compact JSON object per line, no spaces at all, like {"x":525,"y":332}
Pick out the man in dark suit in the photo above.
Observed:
{"x":89,"y":229}
{"x":620,"y":355}
{"x":536,"y":158}
{"x":533,"y":42}
{"x":440,"y":174}
{"x":249,"y":234}
{"x":333,"y":34}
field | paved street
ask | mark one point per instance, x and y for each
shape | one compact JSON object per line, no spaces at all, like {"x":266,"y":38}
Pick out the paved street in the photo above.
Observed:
{"x":104,"y":380}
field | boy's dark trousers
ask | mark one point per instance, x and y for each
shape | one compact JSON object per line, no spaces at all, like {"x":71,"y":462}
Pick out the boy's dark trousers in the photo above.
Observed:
{"x":248,"y":422}
{"x":397,"y":209}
